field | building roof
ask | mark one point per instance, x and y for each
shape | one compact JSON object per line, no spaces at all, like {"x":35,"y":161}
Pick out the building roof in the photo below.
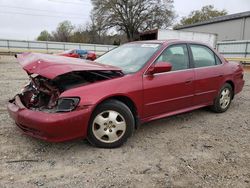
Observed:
{"x":217,"y":19}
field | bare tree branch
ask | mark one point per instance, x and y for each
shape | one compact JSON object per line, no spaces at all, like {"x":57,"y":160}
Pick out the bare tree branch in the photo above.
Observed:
{"x":134,"y":16}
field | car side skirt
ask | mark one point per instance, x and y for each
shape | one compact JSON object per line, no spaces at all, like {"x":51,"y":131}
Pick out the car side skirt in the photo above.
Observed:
{"x":151,"y":118}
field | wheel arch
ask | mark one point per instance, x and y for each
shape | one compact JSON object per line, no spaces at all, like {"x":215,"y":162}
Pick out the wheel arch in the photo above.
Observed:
{"x":232,"y":85}
{"x":128,"y":102}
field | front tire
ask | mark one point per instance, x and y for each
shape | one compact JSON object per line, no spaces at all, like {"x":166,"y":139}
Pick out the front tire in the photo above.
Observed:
{"x":111,"y":124}
{"x":223,"y":100}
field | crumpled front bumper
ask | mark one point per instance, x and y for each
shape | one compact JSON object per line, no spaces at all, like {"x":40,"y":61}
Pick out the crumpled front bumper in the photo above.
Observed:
{"x":54,"y":127}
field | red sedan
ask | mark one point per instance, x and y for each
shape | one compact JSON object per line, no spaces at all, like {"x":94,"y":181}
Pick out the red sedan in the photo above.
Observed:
{"x":106,"y":101}
{"x":82,"y":54}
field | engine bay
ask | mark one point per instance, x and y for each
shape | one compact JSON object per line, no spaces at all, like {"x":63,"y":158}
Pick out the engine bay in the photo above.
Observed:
{"x":42,"y":94}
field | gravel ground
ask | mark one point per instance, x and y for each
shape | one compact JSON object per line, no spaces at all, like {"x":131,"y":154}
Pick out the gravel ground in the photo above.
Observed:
{"x":196,"y":149}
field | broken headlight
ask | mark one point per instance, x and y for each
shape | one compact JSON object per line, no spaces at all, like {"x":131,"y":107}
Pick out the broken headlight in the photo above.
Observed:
{"x":67,"y":104}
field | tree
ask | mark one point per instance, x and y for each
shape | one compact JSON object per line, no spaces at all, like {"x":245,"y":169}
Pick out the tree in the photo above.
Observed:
{"x":133,"y":16}
{"x":93,"y":32}
{"x":206,"y":13}
{"x":44,"y":36}
{"x":63,"y":32}
{"x":80,"y":34}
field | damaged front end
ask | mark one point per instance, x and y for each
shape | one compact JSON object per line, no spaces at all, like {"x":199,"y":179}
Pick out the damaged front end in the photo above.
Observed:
{"x":51,"y":75}
{"x":43,"y":94}
{"x":39,"y":94}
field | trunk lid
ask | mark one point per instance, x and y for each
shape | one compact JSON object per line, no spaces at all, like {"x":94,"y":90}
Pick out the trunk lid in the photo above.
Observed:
{"x":51,"y":66}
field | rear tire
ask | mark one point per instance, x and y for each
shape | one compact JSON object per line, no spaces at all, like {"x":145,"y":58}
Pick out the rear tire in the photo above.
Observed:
{"x":223,"y":100}
{"x":111,"y":124}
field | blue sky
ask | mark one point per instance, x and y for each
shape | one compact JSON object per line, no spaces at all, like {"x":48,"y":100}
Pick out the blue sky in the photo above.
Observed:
{"x":25,"y":19}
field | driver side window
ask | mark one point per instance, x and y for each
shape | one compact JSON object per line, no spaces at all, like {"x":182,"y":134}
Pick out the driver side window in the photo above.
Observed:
{"x":177,"y":55}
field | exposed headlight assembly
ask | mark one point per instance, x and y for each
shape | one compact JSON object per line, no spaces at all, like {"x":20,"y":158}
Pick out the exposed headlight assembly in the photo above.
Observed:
{"x":67,"y":104}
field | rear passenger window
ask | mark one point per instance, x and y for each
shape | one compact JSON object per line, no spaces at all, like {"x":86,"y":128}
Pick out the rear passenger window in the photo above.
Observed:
{"x":202,"y":56}
{"x":177,"y":55}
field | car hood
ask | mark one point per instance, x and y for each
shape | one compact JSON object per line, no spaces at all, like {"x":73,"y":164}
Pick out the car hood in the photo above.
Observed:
{"x":51,"y":66}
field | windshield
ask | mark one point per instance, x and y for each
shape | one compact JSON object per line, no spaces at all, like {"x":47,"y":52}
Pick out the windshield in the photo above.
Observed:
{"x":129,"y":57}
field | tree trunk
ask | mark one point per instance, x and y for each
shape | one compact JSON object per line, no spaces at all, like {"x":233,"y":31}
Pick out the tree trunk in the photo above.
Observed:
{"x":128,"y":34}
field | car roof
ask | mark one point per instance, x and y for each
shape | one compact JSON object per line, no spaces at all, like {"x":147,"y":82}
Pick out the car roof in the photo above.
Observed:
{"x":156,"y":41}
{"x":170,"y":41}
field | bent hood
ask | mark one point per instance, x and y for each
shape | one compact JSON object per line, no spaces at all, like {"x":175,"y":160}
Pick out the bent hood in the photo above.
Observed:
{"x":51,"y":66}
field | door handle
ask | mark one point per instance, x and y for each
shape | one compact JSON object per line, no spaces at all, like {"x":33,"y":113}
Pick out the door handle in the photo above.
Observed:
{"x":188,"y":81}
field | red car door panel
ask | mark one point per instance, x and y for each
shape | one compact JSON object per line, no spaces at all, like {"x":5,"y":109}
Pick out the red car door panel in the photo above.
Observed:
{"x":207,"y":84}
{"x":208,"y":74}
{"x":168,"y":92}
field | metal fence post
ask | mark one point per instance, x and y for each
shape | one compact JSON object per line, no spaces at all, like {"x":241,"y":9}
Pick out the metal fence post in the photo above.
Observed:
{"x":8,"y":44}
{"x":246,"y":49}
{"x":47,"y":47}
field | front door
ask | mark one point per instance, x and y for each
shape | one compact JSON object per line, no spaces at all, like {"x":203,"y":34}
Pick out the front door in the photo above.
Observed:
{"x":169,"y":91}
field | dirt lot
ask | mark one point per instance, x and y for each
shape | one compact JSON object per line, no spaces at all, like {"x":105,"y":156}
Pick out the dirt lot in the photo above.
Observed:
{"x":196,"y":149}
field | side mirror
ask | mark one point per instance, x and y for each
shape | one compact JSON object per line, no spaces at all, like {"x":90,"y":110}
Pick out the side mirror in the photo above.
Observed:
{"x":160,"y":67}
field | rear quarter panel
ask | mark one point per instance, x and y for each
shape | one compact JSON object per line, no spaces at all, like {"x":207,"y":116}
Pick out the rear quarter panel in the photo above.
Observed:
{"x":233,"y":71}
{"x":238,"y":76}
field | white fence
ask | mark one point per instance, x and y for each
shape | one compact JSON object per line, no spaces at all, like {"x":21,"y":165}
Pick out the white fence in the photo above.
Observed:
{"x":13,"y":46}
{"x":231,"y":49}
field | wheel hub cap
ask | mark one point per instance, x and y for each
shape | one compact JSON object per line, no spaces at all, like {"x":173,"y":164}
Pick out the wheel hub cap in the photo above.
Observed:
{"x":109,"y":126}
{"x":225,"y":98}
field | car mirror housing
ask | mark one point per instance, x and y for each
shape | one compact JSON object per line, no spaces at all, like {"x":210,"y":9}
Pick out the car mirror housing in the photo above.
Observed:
{"x":160,"y":67}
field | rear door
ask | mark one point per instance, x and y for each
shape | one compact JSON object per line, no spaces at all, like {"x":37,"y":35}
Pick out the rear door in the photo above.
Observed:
{"x":169,"y":91}
{"x":208,"y":73}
